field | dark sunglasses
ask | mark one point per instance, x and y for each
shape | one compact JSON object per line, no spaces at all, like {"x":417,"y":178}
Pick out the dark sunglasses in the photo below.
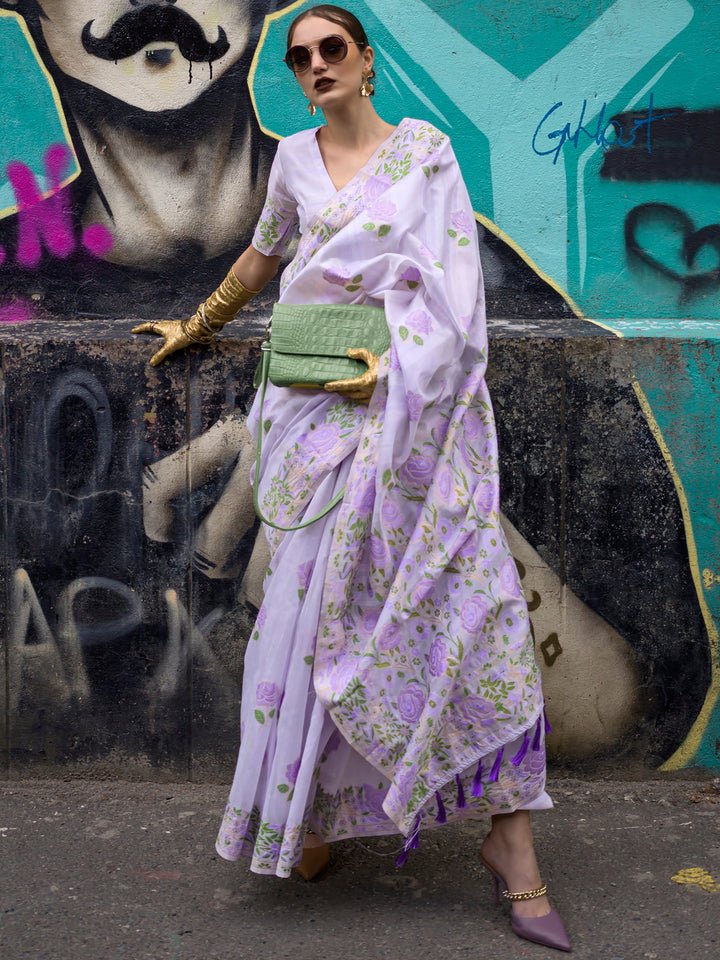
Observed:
{"x":332,"y":49}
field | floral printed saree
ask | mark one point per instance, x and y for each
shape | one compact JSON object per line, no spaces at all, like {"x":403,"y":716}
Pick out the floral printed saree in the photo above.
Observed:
{"x":390,"y":682}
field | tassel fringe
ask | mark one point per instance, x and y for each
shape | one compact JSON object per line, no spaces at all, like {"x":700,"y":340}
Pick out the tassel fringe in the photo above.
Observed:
{"x":520,"y":755}
{"x":536,"y":738}
{"x":460,"y":792}
{"x":548,"y":728}
{"x":477,"y":787}
{"x":412,"y":843}
{"x":495,"y":772}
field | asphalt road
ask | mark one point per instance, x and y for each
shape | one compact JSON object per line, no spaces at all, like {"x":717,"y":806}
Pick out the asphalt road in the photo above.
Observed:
{"x":127,"y":871}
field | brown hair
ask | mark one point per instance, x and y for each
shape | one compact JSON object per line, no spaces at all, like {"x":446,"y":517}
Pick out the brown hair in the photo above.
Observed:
{"x":343,"y":18}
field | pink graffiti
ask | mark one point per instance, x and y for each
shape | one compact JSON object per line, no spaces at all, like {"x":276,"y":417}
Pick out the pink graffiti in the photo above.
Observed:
{"x":48,"y":220}
{"x":97,"y":239}
{"x":18,"y":312}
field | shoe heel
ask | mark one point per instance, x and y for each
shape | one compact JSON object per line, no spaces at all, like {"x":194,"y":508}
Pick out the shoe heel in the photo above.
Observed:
{"x":497,"y":879}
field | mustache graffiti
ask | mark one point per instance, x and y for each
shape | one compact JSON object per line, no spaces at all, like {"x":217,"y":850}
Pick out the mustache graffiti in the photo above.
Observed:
{"x":137,"y":28}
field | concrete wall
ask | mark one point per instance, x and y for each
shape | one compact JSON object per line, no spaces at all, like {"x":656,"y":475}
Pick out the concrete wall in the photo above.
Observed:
{"x":131,"y":173}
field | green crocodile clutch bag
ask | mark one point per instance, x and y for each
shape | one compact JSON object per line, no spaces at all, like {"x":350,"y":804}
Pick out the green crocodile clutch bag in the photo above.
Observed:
{"x":308,"y":343}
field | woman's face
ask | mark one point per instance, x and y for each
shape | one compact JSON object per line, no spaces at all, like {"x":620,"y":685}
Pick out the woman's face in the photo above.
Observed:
{"x":330,"y":85}
{"x":143,"y":62}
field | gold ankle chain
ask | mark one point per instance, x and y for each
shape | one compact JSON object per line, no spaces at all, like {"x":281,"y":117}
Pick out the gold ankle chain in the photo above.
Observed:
{"x":527,"y":894}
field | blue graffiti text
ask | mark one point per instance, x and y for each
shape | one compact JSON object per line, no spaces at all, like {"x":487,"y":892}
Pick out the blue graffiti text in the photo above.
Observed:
{"x":605,"y":133}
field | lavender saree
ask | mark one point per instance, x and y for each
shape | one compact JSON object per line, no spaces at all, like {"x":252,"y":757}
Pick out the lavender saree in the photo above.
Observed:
{"x":390,"y":682}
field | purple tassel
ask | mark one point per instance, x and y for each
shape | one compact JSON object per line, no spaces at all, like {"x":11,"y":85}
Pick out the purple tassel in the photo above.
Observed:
{"x":536,"y":738}
{"x":441,"y":815}
{"x":548,"y":728}
{"x":461,"y":792}
{"x":412,"y":843}
{"x":520,"y":755}
{"x":495,"y":772}
{"x":477,"y":787}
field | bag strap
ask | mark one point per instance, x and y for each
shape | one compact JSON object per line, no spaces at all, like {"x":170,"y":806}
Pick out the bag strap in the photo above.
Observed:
{"x":264,"y":374}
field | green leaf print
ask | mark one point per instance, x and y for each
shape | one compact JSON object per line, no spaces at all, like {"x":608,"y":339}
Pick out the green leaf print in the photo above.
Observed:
{"x":357,"y":279}
{"x":309,"y":659}
{"x":418,"y":340}
{"x":283,"y":787}
{"x":386,"y":477}
{"x":452,"y":233}
{"x":260,"y":716}
{"x":368,"y":226}
{"x":463,"y":242}
{"x":384,"y":230}
{"x":404,"y":333}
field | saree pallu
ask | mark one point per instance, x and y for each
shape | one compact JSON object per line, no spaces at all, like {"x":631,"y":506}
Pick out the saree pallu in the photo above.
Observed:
{"x":390,"y":681}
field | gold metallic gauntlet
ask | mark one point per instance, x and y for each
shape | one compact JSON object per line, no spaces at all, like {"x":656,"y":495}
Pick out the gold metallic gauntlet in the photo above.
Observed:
{"x":220,"y":308}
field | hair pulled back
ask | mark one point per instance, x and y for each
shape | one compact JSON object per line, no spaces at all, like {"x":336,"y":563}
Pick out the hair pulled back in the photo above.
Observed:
{"x":338,"y":15}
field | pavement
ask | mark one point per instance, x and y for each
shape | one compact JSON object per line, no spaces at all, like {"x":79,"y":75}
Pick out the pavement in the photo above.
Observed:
{"x":127,"y":871}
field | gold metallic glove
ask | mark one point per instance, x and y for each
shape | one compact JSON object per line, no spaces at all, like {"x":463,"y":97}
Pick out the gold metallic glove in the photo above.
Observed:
{"x":211,"y":316}
{"x":359,"y":388}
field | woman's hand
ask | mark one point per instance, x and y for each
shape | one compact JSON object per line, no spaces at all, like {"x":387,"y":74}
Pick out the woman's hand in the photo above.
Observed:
{"x":172,"y":331}
{"x":359,"y":388}
{"x":220,"y":308}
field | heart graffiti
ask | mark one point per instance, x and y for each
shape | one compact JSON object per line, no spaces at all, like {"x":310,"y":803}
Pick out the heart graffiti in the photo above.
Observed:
{"x":673,"y":237}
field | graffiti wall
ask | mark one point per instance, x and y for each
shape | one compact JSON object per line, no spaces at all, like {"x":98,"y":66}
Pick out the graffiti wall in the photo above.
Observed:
{"x":138,"y":138}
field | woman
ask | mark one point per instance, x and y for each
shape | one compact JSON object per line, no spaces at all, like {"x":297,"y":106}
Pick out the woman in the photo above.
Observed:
{"x":390,"y":682}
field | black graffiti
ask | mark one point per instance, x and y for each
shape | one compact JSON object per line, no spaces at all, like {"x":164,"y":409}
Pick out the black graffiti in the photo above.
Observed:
{"x":82,"y":391}
{"x":551,"y":649}
{"x":139,"y":27}
{"x":686,"y":146}
{"x":674,"y":223}
{"x":70,"y":477}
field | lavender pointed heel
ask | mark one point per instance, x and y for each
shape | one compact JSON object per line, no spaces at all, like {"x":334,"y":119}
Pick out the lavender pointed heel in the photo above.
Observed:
{"x":547,"y":930}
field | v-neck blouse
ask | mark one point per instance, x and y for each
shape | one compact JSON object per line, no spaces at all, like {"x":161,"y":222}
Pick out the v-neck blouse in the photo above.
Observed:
{"x":299,"y":185}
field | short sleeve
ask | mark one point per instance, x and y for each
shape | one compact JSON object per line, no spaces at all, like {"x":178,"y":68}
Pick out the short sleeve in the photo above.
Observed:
{"x":278,"y":222}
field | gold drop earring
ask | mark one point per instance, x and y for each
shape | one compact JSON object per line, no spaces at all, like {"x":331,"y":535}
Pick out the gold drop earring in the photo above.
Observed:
{"x":312,"y":110}
{"x":367,"y":89}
